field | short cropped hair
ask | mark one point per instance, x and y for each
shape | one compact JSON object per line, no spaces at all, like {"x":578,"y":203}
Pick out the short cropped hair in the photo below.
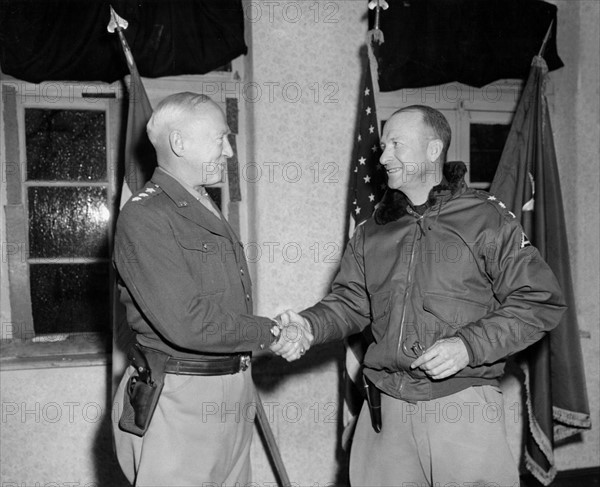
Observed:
{"x":173,"y":108}
{"x":435,"y":120}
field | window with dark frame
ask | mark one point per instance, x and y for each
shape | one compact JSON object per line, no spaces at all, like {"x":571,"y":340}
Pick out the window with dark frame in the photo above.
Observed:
{"x":68,"y":217}
{"x":64,"y":141}
{"x":61,"y":203}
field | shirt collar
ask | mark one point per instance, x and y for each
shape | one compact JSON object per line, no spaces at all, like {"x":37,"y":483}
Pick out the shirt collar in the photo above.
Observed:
{"x":190,"y":189}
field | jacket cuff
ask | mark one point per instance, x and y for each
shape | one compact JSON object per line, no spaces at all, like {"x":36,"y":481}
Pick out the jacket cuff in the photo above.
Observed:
{"x":266,"y":337}
{"x":312,"y":322}
{"x":469,"y":349}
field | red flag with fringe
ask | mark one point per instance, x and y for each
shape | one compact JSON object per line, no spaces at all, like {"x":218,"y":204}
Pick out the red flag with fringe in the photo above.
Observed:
{"x":527,"y":181}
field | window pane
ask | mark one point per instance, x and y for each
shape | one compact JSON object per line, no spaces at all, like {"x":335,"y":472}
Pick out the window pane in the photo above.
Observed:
{"x":486,"y":144}
{"x":68,"y":222}
{"x":67,"y":298}
{"x":65,"y":145}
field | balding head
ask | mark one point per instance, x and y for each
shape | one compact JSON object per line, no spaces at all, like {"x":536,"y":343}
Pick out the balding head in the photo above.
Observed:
{"x":189,"y":133}
{"x":434,"y":121}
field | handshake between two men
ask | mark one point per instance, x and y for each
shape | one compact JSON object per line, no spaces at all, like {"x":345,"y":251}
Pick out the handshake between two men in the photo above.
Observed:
{"x":294,"y":337}
{"x":443,"y":359}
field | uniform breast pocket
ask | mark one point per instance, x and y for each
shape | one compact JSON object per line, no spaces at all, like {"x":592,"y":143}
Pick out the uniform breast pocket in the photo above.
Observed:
{"x":455,"y":312}
{"x":205,"y":257}
{"x":380,"y":305}
{"x":380,"y":314}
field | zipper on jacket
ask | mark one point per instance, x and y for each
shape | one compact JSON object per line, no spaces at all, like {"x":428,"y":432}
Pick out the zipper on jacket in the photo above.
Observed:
{"x":409,"y":280}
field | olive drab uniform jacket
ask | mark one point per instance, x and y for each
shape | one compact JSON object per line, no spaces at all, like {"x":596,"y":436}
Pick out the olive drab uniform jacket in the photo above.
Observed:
{"x":184,"y":277}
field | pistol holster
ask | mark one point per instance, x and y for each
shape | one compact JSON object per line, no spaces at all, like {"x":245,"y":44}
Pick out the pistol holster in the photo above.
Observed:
{"x":143,"y":389}
{"x":374,"y":401}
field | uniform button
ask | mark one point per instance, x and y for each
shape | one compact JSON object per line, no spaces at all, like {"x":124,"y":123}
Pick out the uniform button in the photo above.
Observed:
{"x":242,"y":272}
{"x":262,"y":346}
{"x":247,"y":297}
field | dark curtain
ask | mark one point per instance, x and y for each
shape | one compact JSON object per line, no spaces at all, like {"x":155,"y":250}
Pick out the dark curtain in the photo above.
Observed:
{"x":68,"y":40}
{"x":475,"y":42}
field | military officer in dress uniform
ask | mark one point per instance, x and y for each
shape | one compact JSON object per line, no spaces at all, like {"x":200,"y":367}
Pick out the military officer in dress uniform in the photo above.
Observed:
{"x":185,"y":284}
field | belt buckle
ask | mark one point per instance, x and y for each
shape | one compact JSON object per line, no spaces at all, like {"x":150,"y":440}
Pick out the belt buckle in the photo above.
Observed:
{"x":244,"y":362}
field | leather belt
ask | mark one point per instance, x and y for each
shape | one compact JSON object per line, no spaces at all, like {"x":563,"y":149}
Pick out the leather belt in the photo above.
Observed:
{"x":217,"y":366}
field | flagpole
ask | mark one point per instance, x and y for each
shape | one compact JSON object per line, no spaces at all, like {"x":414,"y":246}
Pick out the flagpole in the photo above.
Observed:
{"x":543,"y":48}
{"x":119,"y":24}
{"x":272,"y":447}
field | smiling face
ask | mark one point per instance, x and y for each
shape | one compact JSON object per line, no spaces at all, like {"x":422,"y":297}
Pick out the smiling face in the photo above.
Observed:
{"x":200,"y":146}
{"x":410,"y":155}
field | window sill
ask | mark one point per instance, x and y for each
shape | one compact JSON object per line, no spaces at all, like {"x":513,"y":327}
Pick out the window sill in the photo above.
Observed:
{"x":83,"y":350}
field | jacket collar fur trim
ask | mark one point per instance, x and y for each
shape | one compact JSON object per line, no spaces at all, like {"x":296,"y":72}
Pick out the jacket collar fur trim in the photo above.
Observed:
{"x":394,"y":203}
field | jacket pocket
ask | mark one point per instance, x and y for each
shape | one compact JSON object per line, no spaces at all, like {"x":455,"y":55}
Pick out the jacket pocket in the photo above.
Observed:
{"x":206,"y":260}
{"x":380,"y":305}
{"x":455,"y":312}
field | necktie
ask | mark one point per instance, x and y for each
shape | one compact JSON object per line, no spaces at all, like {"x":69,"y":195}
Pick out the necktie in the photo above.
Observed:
{"x":207,"y":201}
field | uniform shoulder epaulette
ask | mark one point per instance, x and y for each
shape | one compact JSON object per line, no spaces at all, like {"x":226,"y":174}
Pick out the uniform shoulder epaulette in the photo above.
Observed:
{"x":149,"y":191}
{"x":495,"y":203}
{"x":505,"y":213}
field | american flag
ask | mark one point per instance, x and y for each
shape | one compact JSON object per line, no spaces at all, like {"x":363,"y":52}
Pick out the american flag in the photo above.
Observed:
{"x":368,"y":183}
{"x":368,"y":177}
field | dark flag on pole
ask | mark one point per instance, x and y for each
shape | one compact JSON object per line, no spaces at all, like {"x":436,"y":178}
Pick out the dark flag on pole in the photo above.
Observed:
{"x":139,"y":162}
{"x":140,"y":157}
{"x":527,"y":181}
{"x":368,"y":183}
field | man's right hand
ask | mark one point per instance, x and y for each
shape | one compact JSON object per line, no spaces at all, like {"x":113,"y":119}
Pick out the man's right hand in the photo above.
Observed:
{"x":296,"y":337}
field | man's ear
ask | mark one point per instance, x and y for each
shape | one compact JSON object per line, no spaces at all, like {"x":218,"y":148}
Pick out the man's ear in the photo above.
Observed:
{"x":176,"y":143}
{"x":434,"y":149}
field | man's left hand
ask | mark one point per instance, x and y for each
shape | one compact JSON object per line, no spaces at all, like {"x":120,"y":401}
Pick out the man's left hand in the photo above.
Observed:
{"x":444,"y":358}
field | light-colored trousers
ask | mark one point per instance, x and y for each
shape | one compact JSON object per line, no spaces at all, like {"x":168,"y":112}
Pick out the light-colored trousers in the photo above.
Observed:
{"x":200,"y":434}
{"x":455,"y":441}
